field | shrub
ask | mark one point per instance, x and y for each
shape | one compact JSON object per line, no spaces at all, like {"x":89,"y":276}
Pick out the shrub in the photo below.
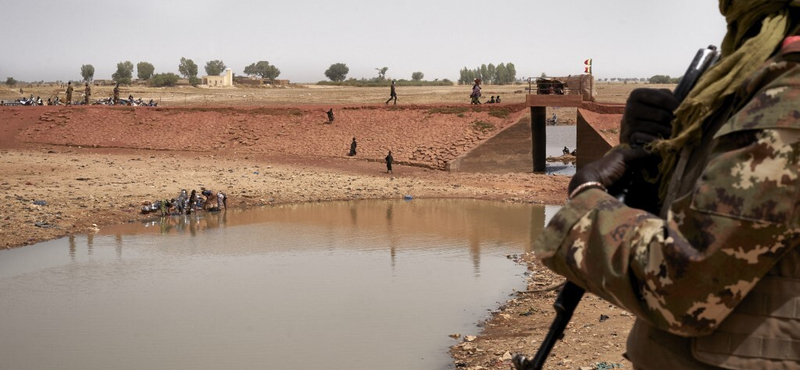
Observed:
{"x":164,"y":79}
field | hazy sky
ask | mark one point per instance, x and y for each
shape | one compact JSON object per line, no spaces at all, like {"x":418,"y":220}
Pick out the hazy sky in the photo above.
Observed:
{"x":51,"y":39}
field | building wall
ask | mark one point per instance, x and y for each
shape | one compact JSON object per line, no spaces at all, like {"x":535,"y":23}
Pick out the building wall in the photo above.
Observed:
{"x":225,"y":80}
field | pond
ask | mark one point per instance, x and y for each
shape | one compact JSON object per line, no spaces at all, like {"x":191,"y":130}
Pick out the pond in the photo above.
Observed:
{"x":341,"y":285}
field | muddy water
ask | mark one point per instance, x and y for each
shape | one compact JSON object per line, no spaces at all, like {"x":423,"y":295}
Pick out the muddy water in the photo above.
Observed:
{"x":349,"y":285}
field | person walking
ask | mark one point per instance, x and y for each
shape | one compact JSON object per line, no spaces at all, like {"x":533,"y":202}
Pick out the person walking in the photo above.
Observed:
{"x":389,"y":160}
{"x":476,"y":92}
{"x":705,"y":254}
{"x":392,"y":94}
{"x":69,"y":93}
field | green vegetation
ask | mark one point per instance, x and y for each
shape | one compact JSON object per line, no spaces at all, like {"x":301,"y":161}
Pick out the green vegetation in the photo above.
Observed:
{"x":10,"y":81}
{"x":188,"y":69}
{"x":145,"y":70}
{"x":87,"y":72}
{"x":417,"y":76}
{"x":382,"y":73}
{"x":215,"y":67}
{"x":503,"y":74}
{"x":482,"y":126}
{"x":337,"y":72}
{"x":661,"y":79}
{"x":124,"y":73}
{"x":262,"y":69}
{"x":164,"y":79}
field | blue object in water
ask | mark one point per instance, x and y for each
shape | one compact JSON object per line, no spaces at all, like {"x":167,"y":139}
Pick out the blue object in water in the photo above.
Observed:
{"x":407,"y":197}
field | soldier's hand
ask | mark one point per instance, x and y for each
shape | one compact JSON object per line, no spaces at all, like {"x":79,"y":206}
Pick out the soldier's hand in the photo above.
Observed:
{"x":608,"y":170}
{"x":648,"y":116}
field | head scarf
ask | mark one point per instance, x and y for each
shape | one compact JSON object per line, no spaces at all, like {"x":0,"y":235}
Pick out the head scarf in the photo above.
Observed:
{"x":743,"y":51}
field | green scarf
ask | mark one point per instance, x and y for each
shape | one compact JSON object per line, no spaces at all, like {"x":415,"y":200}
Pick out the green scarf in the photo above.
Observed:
{"x":741,"y":57}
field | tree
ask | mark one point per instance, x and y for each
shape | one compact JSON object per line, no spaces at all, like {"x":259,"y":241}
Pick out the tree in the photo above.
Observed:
{"x":215,"y":67}
{"x":87,"y":72}
{"x":188,"y":69}
{"x":10,"y":81}
{"x":501,"y":75}
{"x":164,"y":79}
{"x":417,"y":76}
{"x":263,"y":69}
{"x":144,"y":70}
{"x":382,"y":73}
{"x":124,"y":73}
{"x":490,"y":74}
{"x":512,"y":72}
{"x":337,"y":72}
{"x":658,"y":79}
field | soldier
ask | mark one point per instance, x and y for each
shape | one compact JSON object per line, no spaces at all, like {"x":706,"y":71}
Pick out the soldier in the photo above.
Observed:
{"x":116,"y":94}
{"x":69,"y":93}
{"x":714,"y":280}
{"x":330,"y":115}
{"x":392,"y":94}
{"x":88,"y":94}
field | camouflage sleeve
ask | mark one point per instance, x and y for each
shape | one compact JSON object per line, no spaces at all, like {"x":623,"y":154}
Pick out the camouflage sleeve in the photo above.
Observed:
{"x":687,"y":273}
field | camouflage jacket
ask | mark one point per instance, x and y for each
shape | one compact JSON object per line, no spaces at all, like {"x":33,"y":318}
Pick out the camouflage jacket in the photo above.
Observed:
{"x":685,"y":274}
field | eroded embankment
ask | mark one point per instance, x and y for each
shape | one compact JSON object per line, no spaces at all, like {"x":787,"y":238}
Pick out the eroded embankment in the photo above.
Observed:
{"x":427,"y":136}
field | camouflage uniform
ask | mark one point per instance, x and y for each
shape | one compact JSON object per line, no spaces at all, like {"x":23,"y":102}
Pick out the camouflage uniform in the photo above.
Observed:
{"x":731,"y":231}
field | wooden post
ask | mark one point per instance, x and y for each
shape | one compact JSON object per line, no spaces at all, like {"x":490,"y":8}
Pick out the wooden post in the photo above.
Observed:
{"x":538,"y":138}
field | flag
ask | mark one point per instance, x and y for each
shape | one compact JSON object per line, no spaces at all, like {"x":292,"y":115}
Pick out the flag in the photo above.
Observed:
{"x":588,"y":66}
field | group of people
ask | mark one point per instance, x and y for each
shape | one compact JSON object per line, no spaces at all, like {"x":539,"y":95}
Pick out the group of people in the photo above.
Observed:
{"x":186,"y":203}
{"x":475,"y":96}
{"x":113,"y":100}
{"x":389,"y":159}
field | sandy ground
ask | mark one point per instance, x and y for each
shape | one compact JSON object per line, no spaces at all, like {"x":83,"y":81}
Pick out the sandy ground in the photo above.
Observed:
{"x":61,"y":176}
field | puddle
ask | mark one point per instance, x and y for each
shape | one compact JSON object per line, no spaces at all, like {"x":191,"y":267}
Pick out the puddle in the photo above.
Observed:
{"x":342,"y":285}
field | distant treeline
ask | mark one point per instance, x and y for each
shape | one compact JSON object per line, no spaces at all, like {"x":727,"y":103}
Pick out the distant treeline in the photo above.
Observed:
{"x":385,"y":83}
{"x":503,"y":74}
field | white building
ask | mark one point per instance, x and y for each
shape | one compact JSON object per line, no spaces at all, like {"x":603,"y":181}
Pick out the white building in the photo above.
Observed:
{"x":226,"y":80}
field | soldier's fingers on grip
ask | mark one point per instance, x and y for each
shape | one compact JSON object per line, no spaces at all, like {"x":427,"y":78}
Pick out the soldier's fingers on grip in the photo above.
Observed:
{"x":639,"y":113}
{"x":658,"y":98}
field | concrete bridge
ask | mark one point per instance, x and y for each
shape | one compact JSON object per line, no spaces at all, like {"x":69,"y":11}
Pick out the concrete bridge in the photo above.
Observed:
{"x":521,"y":147}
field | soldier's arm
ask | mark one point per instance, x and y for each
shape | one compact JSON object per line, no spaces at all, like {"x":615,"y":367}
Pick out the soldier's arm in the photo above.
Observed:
{"x":687,"y":273}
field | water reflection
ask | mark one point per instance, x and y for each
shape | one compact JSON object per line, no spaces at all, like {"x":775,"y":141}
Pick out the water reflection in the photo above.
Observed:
{"x":356,"y":283}
{"x":470,"y":219}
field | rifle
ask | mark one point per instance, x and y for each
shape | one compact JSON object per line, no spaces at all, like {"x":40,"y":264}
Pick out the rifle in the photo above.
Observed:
{"x":571,"y":294}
